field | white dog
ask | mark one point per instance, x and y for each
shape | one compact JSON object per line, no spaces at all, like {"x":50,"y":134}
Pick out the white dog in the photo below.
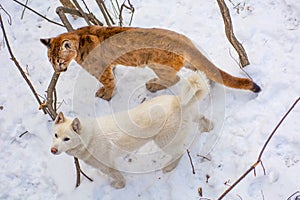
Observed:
{"x":165,"y":120}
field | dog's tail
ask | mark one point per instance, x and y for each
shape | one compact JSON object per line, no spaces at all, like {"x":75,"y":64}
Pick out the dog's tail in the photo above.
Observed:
{"x":195,"y":88}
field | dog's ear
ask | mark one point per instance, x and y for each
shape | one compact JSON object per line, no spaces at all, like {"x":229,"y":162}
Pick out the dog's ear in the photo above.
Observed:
{"x":46,"y":42}
{"x":60,"y":118}
{"x":76,"y":125}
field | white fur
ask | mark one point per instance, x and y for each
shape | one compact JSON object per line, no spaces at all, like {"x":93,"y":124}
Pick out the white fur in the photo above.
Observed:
{"x":166,"y":120}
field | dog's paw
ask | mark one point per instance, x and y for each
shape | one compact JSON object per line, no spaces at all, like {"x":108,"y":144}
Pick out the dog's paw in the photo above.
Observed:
{"x":118,"y":184}
{"x":104,"y":93}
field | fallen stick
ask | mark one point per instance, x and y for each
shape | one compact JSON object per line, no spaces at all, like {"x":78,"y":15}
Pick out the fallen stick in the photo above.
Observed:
{"x":259,"y":161}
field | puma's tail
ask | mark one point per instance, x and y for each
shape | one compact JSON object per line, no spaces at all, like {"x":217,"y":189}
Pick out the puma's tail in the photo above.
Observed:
{"x":195,"y":88}
{"x":235,"y":82}
{"x":195,"y":60}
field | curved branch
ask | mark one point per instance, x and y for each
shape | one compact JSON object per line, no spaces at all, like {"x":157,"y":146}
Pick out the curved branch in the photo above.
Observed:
{"x":18,"y":65}
{"x":230,"y":35}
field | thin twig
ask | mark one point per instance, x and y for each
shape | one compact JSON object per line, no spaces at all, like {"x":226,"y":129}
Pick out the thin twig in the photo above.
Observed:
{"x":86,"y":7}
{"x":9,"y":17}
{"x":23,"y":134}
{"x":130,"y":7}
{"x":49,"y":20}
{"x":240,"y":66}
{"x":289,"y":198}
{"x":86,"y":176}
{"x":273,"y":132}
{"x":83,"y":14}
{"x":77,"y":171}
{"x":18,"y":65}
{"x":114,"y":8}
{"x":23,"y":12}
{"x":109,"y":16}
{"x":104,"y":12}
{"x":204,"y":157}
{"x":60,"y":104}
{"x":191,"y":161}
{"x":261,"y":152}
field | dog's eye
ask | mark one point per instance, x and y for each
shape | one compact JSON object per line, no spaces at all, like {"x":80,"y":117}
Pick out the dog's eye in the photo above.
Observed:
{"x":55,"y":135}
{"x":66,"y":139}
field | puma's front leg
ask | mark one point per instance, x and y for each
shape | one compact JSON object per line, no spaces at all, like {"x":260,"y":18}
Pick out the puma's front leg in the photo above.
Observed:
{"x":106,"y":92}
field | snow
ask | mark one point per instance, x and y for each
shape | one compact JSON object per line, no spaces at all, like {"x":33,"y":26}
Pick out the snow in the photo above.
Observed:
{"x":270,"y":33}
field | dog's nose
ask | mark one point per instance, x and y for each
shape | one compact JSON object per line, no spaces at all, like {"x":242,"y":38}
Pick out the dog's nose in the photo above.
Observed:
{"x":53,"y":150}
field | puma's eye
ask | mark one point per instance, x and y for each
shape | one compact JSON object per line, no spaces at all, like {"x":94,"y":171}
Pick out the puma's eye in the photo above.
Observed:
{"x":66,"y":139}
{"x":67,"y":45}
{"x":55,"y":135}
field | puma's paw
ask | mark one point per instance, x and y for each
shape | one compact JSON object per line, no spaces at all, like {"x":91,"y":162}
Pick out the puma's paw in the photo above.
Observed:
{"x":104,"y":93}
{"x":153,"y":85}
{"x":118,"y":184}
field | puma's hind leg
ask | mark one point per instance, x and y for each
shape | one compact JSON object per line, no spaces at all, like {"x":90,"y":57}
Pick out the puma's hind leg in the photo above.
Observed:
{"x":167,"y":76}
{"x":107,"y":79}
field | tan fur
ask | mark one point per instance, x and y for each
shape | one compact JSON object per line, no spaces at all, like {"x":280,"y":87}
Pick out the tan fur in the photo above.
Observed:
{"x":164,"y":51}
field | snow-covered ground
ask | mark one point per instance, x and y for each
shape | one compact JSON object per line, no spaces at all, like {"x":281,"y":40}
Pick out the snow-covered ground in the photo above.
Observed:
{"x":270,"y":33}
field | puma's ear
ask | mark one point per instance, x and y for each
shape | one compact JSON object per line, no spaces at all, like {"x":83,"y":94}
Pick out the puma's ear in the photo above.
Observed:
{"x":60,"y":118}
{"x":46,"y":42}
{"x":76,"y":125}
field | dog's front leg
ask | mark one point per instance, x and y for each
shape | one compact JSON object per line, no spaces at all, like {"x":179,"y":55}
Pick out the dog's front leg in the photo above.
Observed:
{"x":118,"y":181}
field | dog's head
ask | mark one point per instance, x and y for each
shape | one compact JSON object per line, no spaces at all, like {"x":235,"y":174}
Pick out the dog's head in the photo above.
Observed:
{"x":66,"y":134}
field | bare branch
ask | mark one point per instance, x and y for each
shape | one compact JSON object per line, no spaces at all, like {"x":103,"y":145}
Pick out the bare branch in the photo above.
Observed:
{"x":50,"y":92}
{"x":191,"y":161}
{"x":260,"y":154}
{"x":89,"y":18}
{"x":23,"y":12}
{"x":18,"y":65}
{"x":295,"y":193}
{"x":23,"y":134}
{"x":86,"y":7}
{"x":49,"y":20}
{"x":61,"y":13}
{"x":230,"y":35}
{"x":83,"y":14}
{"x":105,"y":13}
{"x":69,"y":4}
{"x":9,"y":17}
{"x":130,"y":7}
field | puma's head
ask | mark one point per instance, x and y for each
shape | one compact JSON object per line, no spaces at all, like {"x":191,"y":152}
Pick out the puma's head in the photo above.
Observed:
{"x":61,"y":51}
